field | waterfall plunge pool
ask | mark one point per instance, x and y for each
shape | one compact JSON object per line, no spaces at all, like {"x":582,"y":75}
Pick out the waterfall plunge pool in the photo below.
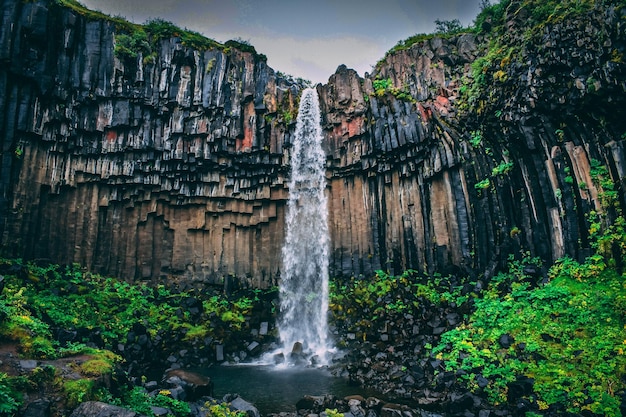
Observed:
{"x":273,"y":389}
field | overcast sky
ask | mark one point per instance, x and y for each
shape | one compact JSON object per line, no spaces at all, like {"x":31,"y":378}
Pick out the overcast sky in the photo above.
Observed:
{"x":307,"y":39}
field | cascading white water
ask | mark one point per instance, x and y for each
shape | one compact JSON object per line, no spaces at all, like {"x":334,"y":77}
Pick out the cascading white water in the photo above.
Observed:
{"x":304,"y":281}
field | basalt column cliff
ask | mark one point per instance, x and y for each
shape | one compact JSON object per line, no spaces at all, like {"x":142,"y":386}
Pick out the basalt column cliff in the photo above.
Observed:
{"x":168,"y":160}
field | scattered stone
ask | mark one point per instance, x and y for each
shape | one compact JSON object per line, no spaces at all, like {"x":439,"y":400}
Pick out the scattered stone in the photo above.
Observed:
{"x":219,"y":353}
{"x":506,"y":341}
{"x":263,"y":328}
{"x":151,"y":385}
{"x":355,"y":408}
{"x":38,"y":408}
{"x":391,"y":410}
{"x":100,"y":409}
{"x":160,"y":411}
{"x":240,"y":404}
{"x":297,"y":349}
{"x":520,"y":388}
{"x":194,"y":385}
{"x":28,"y":364}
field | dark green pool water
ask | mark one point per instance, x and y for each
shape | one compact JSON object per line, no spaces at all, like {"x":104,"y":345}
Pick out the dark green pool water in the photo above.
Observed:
{"x":272,"y":389}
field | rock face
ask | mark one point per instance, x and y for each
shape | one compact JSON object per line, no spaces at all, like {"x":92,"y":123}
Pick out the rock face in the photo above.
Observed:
{"x":173,"y":169}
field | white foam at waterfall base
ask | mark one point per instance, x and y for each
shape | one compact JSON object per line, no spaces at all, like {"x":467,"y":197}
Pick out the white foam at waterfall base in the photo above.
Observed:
{"x":304,"y":279}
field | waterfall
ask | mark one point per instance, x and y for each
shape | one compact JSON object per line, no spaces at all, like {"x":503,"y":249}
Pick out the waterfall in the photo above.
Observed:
{"x":304,"y":280}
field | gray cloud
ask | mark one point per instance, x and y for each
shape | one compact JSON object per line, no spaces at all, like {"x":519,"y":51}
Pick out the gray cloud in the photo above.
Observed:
{"x":301,"y":38}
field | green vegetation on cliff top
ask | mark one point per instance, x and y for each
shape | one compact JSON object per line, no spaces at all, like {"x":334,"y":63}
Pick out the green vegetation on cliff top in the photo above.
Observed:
{"x":132,"y":38}
{"x":492,"y":18}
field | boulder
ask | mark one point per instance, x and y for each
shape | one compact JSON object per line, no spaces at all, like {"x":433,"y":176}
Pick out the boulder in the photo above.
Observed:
{"x":194,"y":385}
{"x":100,"y":409}
{"x":38,"y":408}
{"x":239,"y":404}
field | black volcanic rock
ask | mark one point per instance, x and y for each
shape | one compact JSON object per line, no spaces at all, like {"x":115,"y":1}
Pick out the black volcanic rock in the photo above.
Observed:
{"x":172,"y":168}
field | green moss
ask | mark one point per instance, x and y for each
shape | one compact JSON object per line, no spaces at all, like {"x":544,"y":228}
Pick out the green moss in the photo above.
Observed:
{"x":502,"y":169}
{"x":196,"y":332}
{"x":483,"y":184}
{"x":96,"y":367}
{"x":78,"y":391}
{"x":120,"y":23}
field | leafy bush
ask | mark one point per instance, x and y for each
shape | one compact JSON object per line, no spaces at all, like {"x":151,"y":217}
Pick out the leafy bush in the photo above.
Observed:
{"x":333,"y":413}
{"x":482,"y":184}
{"x":448,"y":27}
{"x":9,"y":402}
{"x":69,"y":298}
{"x":140,"y":401}
{"x":129,"y":46}
{"x":381,"y":86}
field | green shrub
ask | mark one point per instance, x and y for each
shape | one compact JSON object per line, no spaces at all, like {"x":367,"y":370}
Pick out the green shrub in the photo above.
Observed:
{"x":10,"y":399}
{"x":38,"y":347}
{"x":476,"y":138}
{"x":367,"y":300}
{"x":381,"y":86}
{"x":569,"y":336}
{"x":129,"y":46}
{"x":138,"y":400}
{"x":502,"y":169}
